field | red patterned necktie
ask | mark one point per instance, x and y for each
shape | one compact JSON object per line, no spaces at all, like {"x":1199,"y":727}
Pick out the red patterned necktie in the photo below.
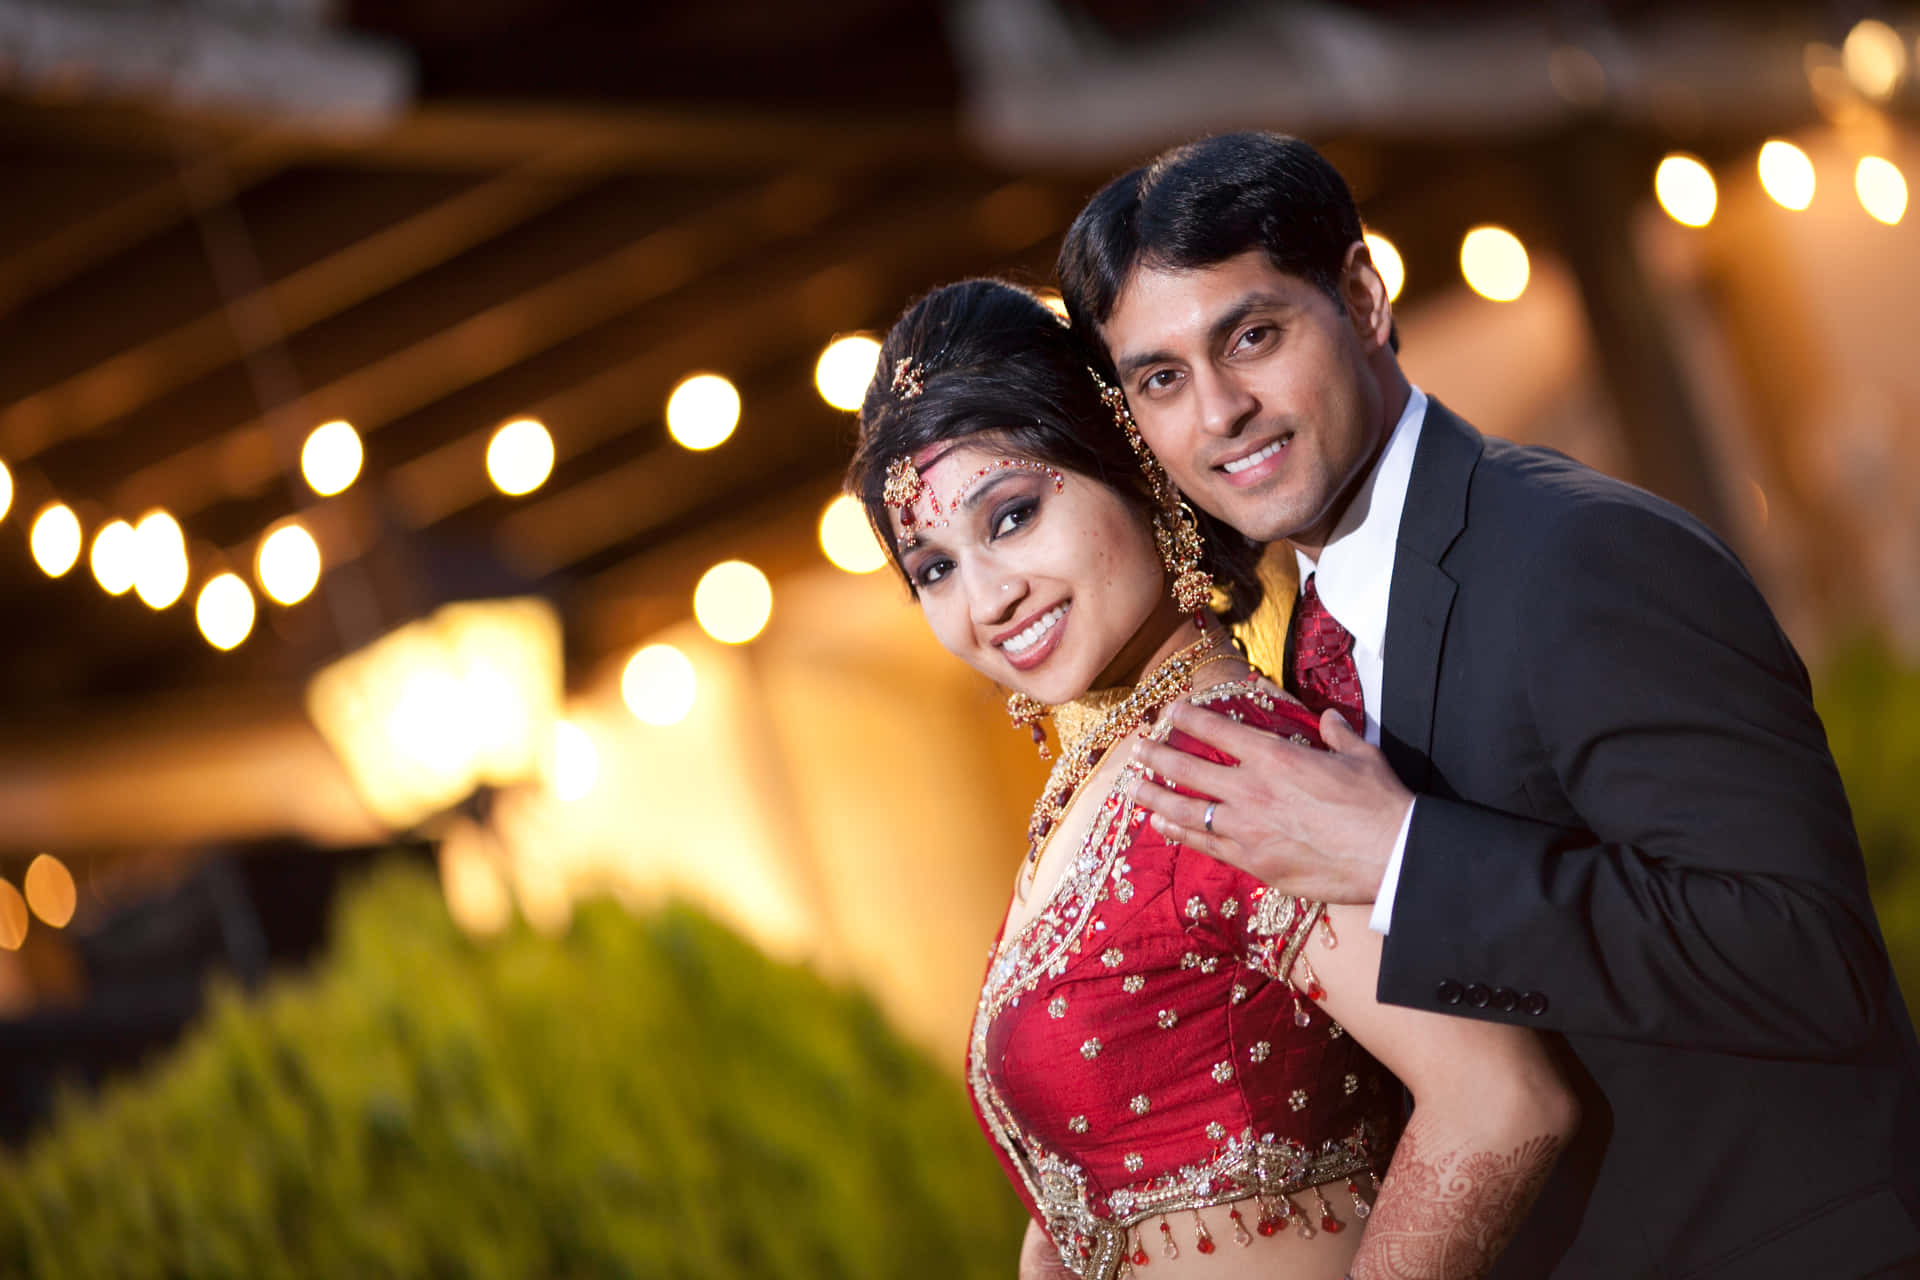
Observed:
{"x":1323,"y":670}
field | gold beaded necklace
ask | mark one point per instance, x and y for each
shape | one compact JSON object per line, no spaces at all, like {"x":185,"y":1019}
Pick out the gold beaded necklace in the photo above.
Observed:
{"x":1107,"y":716}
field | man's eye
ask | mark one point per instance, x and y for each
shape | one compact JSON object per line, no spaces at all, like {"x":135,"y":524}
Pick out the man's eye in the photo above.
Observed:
{"x":1158,"y":380}
{"x":1255,"y":335}
{"x":1013,"y":518}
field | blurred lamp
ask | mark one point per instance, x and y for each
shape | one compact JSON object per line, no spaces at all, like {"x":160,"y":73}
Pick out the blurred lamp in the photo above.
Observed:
{"x":576,"y":763}
{"x":1495,"y":263}
{"x":1875,"y":59}
{"x":703,"y":411}
{"x":288,"y":564}
{"x":1787,"y":174}
{"x":115,"y":557}
{"x":658,"y":685}
{"x":847,"y":538}
{"x":733,"y":601}
{"x":331,"y":458}
{"x":13,"y":917}
{"x":6,"y":490}
{"x":159,"y":559}
{"x":426,"y":714}
{"x":1686,"y":190}
{"x":55,"y":539}
{"x":845,"y":368}
{"x":1387,"y":261}
{"x":225,"y":611}
{"x":50,"y":890}
{"x":520,"y":457}
{"x":1881,"y":188}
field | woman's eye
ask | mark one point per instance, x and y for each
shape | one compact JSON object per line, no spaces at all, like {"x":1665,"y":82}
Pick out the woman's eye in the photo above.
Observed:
{"x":932,"y":572}
{"x":1012,"y":518}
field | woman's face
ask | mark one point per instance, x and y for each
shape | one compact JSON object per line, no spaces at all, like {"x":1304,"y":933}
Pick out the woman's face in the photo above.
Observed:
{"x":1044,"y":581}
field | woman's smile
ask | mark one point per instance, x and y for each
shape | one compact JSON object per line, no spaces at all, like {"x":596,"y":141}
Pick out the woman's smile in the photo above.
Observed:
{"x":1030,"y":642}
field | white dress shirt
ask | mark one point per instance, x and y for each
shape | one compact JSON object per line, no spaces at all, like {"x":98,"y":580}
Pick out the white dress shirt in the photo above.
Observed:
{"x":1354,"y":576}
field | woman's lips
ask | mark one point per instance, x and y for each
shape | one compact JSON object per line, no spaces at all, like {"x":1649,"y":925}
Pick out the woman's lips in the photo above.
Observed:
{"x":1045,"y":632}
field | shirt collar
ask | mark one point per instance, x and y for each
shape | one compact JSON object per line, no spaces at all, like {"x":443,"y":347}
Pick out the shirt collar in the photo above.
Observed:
{"x":1354,"y":575}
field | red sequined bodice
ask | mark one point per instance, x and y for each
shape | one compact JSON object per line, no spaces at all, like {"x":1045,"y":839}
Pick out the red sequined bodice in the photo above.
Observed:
{"x":1138,"y":1050}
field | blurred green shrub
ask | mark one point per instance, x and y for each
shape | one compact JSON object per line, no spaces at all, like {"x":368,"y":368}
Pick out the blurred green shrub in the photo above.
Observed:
{"x":1870,"y":702}
{"x":644,"y":1097}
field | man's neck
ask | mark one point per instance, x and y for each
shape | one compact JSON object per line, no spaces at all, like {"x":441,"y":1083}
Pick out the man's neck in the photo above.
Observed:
{"x":1394,"y":403}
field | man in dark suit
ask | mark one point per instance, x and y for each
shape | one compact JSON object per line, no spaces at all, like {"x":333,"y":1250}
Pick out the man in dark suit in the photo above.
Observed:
{"x":1589,"y":793}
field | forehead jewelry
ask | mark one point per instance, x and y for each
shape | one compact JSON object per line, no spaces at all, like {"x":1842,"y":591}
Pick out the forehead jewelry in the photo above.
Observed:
{"x":1176,"y":531}
{"x":905,"y":487}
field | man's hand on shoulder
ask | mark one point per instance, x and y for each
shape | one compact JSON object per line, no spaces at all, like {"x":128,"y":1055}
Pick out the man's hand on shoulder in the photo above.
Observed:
{"x":1317,"y":824}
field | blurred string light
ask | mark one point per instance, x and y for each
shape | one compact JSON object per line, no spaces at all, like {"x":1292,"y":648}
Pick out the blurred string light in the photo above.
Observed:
{"x":55,"y":539}
{"x":520,"y":457}
{"x":847,"y":538}
{"x":50,"y":890}
{"x":703,"y":411}
{"x":1494,"y":263}
{"x":658,"y":685}
{"x":159,"y":559}
{"x":1686,"y":190}
{"x":733,"y":601}
{"x":288,"y":564}
{"x":1881,"y":188}
{"x":331,"y":458}
{"x":1787,"y":174}
{"x":13,"y":917}
{"x":6,"y":490}
{"x":114,"y":557}
{"x":1875,"y":59}
{"x":576,"y":762}
{"x":844,"y":369}
{"x":1387,"y":261}
{"x":225,"y":611}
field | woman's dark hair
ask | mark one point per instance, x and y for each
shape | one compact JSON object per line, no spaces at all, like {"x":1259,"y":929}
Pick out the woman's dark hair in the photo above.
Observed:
{"x":1202,"y":203}
{"x":992,"y":358}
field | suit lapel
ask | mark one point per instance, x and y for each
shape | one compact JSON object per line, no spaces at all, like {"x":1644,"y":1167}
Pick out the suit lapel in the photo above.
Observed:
{"x":1421,"y":596}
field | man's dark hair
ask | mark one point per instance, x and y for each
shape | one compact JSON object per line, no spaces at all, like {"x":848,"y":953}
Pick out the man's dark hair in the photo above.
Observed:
{"x":1205,"y":202}
{"x":990,"y":360}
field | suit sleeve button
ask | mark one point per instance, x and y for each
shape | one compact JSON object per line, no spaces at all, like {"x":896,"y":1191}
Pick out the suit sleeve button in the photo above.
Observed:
{"x":1504,"y":1000}
{"x":1448,"y":992}
{"x":1534,"y":1003}
{"x":1477,"y":995}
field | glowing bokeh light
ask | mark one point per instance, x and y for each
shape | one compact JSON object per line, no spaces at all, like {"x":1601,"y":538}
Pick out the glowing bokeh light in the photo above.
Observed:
{"x":1494,"y":263}
{"x":13,"y":917}
{"x":847,"y":538}
{"x":159,"y":559}
{"x":658,"y":685}
{"x":470,"y":878}
{"x":703,"y":411}
{"x":50,"y":890}
{"x":6,"y":490}
{"x":288,"y":564}
{"x":733,"y":601}
{"x":1387,"y":261}
{"x":115,"y":556}
{"x":55,"y":539}
{"x":1054,"y":302}
{"x":844,"y":370}
{"x":1875,"y":59}
{"x":1881,"y":188}
{"x":1686,"y":190}
{"x":1787,"y":174}
{"x":576,"y":763}
{"x":520,"y":457}
{"x":331,"y":458}
{"x":225,"y":611}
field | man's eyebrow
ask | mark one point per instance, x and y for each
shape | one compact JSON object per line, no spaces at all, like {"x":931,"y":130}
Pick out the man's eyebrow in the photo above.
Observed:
{"x":1223,"y":324}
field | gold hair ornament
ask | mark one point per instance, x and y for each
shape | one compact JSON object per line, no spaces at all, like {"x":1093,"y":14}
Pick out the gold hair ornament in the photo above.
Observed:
{"x":1176,"y":531}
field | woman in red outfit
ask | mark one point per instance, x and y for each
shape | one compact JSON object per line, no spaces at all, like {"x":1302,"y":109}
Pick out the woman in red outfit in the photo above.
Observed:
{"x":1181,"y":1073}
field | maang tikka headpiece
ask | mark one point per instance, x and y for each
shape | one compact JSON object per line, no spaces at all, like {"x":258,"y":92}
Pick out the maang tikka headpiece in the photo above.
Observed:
{"x":1176,"y":531}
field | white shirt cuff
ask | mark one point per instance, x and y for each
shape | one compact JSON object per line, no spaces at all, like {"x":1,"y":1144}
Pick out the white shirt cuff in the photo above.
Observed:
{"x":1381,"y":921}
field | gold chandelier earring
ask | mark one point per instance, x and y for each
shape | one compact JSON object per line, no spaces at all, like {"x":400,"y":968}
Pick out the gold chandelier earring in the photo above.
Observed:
{"x":1176,"y":530}
{"x":1027,"y":713}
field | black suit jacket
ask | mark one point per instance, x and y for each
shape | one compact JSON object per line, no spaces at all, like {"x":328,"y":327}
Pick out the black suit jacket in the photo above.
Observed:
{"x":1631,"y":836}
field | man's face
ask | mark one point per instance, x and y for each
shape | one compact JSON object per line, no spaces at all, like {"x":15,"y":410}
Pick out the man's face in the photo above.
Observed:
{"x":1254,"y":388}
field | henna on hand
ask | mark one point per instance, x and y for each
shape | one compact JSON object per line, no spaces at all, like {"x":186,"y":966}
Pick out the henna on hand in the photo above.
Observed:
{"x":1447,"y":1214}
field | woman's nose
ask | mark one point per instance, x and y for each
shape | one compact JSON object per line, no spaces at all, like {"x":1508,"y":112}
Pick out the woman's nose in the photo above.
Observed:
{"x":996,"y":597}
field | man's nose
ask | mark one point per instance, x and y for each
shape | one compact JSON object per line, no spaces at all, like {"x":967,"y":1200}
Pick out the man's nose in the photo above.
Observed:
{"x":1223,"y":403}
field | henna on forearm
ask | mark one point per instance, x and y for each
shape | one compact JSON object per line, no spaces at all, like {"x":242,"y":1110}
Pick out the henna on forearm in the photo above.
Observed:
{"x":1446,"y":1214}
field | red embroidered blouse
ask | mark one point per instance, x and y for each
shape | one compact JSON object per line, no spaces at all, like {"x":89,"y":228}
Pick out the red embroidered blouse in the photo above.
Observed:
{"x":1138,"y":1050}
